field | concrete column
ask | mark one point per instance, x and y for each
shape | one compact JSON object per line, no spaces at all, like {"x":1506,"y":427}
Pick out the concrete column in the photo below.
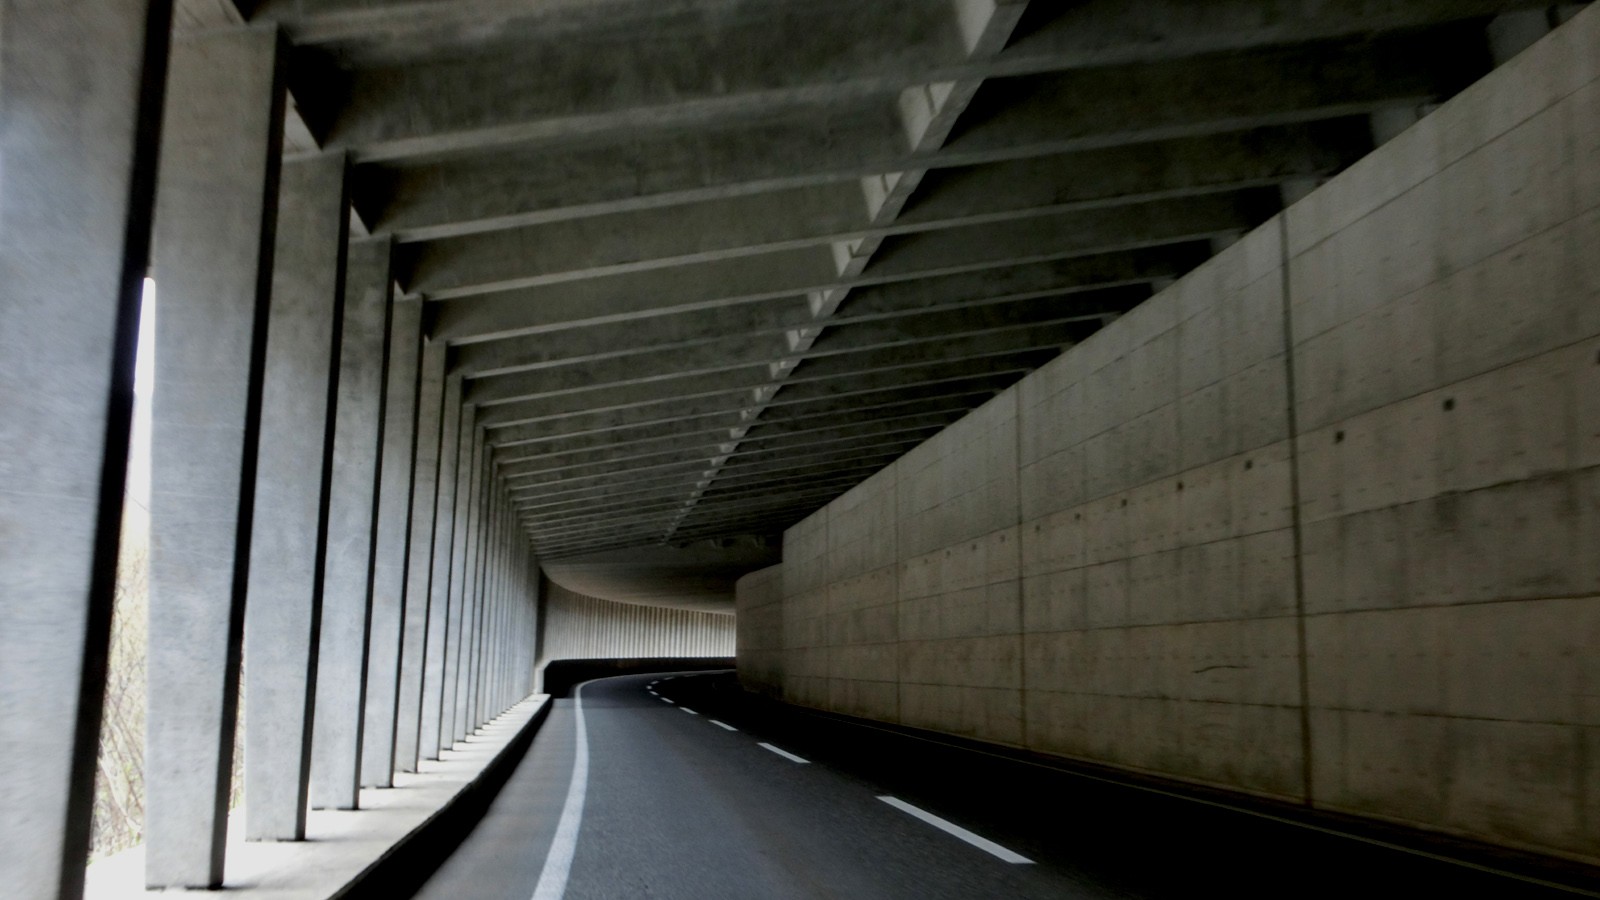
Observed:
{"x":466,"y":720}
{"x":485,"y":607}
{"x":351,"y":535}
{"x":80,"y":99}
{"x":419,"y":563}
{"x":491,"y":635}
{"x":283,"y":616}
{"x":391,"y":543}
{"x":485,"y":537}
{"x":445,"y":527}
{"x":466,"y":471}
{"x":461,"y":671}
{"x":214,"y":238}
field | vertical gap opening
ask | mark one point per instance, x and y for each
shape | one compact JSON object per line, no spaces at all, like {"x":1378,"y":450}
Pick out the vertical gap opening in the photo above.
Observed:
{"x":118,"y":818}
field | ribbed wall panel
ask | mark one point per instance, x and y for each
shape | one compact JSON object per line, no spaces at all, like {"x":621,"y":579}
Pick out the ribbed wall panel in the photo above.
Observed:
{"x":580,"y":627}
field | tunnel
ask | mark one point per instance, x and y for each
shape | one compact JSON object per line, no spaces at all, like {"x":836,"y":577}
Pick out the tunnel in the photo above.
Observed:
{"x":799,"y":448}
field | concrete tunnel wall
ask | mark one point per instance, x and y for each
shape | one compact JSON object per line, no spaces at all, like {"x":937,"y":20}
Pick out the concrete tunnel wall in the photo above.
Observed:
{"x":580,"y":627}
{"x":1319,"y":522}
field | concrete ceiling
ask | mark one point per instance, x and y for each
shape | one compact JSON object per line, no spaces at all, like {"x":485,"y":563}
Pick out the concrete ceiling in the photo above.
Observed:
{"x":706,"y":264}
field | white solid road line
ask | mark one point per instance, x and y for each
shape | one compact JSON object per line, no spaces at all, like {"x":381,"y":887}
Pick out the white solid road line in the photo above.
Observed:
{"x":558,"y":862}
{"x":983,"y":844}
{"x":722,"y":725}
{"x":688,"y":710}
{"x":784,"y":753}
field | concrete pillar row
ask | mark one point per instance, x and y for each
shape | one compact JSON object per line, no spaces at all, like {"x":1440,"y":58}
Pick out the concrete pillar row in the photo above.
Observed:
{"x":294,"y":462}
{"x":445,"y":526}
{"x":351,"y":542}
{"x":474,"y":634}
{"x":481,"y":625}
{"x":80,"y":93}
{"x":214,"y":233}
{"x":391,"y":543}
{"x":491,"y":667}
{"x":455,"y":620}
{"x":491,"y":682}
{"x":419,"y":562}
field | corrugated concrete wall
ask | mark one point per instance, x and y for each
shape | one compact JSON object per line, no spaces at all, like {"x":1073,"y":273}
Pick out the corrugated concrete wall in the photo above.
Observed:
{"x":1320,"y":522}
{"x":579,"y":627}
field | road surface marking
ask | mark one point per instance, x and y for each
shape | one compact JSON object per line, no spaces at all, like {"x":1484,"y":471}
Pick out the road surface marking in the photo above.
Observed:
{"x":784,"y":753}
{"x":722,"y":725}
{"x":665,"y":700}
{"x":688,"y":710}
{"x":983,"y":844}
{"x":558,"y":862}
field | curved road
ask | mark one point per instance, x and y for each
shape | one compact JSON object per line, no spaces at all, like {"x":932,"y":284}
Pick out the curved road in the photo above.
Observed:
{"x":687,"y":789}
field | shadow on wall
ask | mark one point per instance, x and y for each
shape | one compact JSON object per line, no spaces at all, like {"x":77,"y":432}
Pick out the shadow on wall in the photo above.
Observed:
{"x":561,"y":675}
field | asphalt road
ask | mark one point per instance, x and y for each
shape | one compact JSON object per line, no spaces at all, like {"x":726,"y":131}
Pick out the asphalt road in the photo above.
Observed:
{"x":687,"y":789}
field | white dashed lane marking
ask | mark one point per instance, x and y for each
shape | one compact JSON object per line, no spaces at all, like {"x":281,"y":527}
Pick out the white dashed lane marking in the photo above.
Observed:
{"x":951,"y":828}
{"x":784,"y":753}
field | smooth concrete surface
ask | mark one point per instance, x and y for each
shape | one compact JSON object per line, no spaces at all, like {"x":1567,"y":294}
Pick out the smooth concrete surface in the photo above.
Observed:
{"x":700,"y":576}
{"x":431,"y":407}
{"x":75,"y":207}
{"x":214,"y":238}
{"x":1315,"y":523}
{"x":350,"y":567}
{"x":341,"y":845}
{"x":446,"y":525}
{"x":391,"y":544}
{"x":471,"y":596}
{"x":467,"y":474}
{"x":283,"y":611}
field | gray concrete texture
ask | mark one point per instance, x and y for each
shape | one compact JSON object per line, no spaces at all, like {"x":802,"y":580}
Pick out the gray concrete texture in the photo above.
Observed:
{"x":283,"y":616}
{"x":353,"y":497}
{"x":1317,"y":522}
{"x":214,"y":239}
{"x":391,"y":544}
{"x":75,"y":205}
{"x":666,"y":263}
{"x":581,"y":627}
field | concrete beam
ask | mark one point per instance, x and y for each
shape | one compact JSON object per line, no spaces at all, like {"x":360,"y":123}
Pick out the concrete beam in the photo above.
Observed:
{"x":847,"y":343}
{"x":679,"y":462}
{"x":712,"y":415}
{"x":740,"y":402}
{"x":1063,"y":271}
{"x":736,"y":393}
{"x":822,"y":52}
{"x":1011,"y":119}
{"x":780,"y":339}
{"x":564,"y":382}
{"x":559,"y":502}
{"x":649,"y":239}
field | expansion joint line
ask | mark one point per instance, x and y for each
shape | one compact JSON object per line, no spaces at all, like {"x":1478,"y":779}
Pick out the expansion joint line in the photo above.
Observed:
{"x":1296,"y":514}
